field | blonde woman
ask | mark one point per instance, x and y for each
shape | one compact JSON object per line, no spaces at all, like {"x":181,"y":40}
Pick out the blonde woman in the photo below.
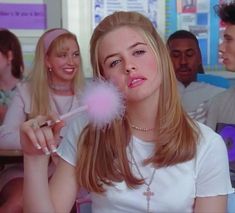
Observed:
{"x":154,"y":159}
{"x":53,"y":86}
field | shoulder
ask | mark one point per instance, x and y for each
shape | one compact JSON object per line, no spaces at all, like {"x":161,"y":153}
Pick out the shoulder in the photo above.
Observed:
{"x":209,"y":140}
{"x":23,"y":87}
{"x":227,"y":94}
{"x":206,"y":86}
{"x":207,"y":133}
{"x":77,"y":124}
{"x":22,"y":94}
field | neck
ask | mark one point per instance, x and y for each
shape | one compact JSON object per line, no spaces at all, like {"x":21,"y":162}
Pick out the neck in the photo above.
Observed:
{"x":61,"y":88}
{"x":142,"y":119}
{"x":7,"y":81}
{"x":142,"y":114}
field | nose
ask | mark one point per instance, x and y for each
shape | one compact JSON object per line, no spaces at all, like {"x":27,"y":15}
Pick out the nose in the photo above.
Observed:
{"x":183,"y":59}
{"x":70,"y":60}
{"x":130,"y":67}
{"x":130,"y":70}
{"x":221,"y":47}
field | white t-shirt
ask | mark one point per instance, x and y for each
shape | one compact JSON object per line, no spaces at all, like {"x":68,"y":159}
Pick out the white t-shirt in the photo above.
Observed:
{"x":174,"y":187}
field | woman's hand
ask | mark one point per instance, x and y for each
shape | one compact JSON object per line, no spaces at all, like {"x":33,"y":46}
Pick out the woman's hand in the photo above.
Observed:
{"x":36,"y":140}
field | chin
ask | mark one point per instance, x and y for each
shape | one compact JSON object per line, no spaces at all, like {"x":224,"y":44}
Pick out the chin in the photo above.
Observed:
{"x":230,"y":68}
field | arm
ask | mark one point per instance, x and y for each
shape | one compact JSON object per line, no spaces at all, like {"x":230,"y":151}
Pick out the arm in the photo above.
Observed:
{"x":63,"y":187}
{"x":58,"y":196}
{"x":211,"y":204}
{"x":15,"y":115}
{"x":38,"y":195}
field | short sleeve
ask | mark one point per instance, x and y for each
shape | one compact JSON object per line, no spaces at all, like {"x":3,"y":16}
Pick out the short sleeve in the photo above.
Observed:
{"x":212,"y":176}
{"x":67,"y":149}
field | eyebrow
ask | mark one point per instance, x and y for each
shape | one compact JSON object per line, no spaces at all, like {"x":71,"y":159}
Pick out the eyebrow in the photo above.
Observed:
{"x":131,"y":47}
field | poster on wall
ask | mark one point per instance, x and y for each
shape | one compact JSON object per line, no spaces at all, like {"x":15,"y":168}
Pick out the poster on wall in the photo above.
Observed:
{"x":23,"y":16}
{"x":198,"y":17}
{"x":102,"y":8}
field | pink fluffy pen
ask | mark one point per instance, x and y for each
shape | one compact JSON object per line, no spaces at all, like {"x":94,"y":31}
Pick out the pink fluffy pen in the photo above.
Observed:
{"x":102,"y":102}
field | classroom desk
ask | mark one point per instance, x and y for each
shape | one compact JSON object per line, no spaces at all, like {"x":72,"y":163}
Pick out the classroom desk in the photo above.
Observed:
{"x":10,"y":156}
{"x":10,"y":152}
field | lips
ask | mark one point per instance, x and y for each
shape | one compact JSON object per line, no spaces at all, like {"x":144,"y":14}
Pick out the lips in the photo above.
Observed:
{"x":184,"y":69}
{"x":225,"y":60}
{"x":69,"y":70}
{"x":136,"y":81}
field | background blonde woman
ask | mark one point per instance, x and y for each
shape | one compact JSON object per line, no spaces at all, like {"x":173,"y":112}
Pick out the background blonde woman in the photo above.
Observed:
{"x":53,"y":87}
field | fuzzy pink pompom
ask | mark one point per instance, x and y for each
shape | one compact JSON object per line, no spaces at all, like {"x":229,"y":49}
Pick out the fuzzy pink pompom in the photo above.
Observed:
{"x":104,"y":102}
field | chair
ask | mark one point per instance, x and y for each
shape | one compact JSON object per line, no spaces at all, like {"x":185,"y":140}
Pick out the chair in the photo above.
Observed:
{"x":83,"y":202}
{"x":215,"y":80}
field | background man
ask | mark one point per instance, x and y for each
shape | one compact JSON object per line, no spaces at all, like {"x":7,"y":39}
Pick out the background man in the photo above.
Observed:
{"x":187,"y":61}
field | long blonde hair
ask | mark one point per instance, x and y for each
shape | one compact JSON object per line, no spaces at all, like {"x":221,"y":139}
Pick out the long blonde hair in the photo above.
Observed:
{"x":40,"y":99}
{"x":102,"y":157}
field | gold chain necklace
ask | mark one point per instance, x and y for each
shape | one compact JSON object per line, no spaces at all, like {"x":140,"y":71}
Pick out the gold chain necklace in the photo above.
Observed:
{"x":148,"y":193}
{"x":141,"y":129}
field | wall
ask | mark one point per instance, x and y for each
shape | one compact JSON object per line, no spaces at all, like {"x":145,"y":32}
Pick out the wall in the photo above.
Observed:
{"x":76,"y":16}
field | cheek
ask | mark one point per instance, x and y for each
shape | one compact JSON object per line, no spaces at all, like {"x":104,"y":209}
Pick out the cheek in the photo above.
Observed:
{"x":175,"y":62}
{"x":152,"y":65}
{"x":116,"y":81}
{"x":232,"y":49}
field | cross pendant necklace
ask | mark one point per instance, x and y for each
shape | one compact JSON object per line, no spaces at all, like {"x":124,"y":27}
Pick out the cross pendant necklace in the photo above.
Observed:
{"x":148,"y":193}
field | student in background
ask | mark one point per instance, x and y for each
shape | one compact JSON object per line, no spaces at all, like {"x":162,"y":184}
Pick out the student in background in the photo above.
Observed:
{"x":11,"y":68}
{"x":147,"y":156}
{"x":186,"y":57}
{"x":53,"y":87}
{"x":222,"y":107}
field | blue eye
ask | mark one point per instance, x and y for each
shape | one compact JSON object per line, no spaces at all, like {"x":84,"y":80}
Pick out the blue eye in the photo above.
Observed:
{"x":62,"y":55}
{"x":76,"y":54}
{"x":114,"y":63}
{"x":139,"y":52}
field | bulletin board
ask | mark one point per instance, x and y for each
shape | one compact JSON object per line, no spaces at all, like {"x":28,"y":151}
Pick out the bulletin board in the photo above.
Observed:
{"x":197,"y":16}
{"x":150,"y":8}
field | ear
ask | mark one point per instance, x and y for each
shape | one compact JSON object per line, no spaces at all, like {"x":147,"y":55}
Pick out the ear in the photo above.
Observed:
{"x":10,"y":55}
{"x":200,"y":56}
{"x":47,"y":61}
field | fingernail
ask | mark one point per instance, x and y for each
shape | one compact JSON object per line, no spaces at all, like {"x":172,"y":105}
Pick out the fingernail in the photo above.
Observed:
{"x":38,"y":146}
{"x":58,"y":121}
{"x":53,"y":149}
{"x":46,"y":151}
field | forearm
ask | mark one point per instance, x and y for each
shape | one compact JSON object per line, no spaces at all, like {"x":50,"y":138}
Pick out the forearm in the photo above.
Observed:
{"x":36,"y":193}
